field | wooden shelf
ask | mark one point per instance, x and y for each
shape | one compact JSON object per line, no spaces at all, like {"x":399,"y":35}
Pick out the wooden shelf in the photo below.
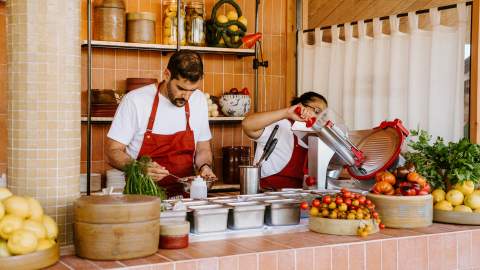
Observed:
{"x":212,"y":119}
{"x":168,"y":48}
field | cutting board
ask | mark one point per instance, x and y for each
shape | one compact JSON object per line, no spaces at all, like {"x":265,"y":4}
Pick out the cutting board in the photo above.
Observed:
{"x":116,"y":227}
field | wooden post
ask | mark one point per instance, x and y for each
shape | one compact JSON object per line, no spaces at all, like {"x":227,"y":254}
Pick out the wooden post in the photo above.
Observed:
{"x":290,"y":81}
{"x":474,"y":76}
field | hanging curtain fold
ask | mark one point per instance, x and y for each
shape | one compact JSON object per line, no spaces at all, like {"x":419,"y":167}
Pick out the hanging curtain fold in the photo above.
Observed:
{"x":417,"y":76}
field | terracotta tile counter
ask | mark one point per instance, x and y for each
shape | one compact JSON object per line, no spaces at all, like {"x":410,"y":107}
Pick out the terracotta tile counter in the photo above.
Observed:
{"x":440,"y":246}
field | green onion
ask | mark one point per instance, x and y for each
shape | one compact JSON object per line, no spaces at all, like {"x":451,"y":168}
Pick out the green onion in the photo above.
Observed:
{"x":140,"y":183}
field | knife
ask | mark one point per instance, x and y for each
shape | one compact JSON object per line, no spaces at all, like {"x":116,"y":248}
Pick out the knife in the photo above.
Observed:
{"x":270,"y":138}
{"x":267,"y":152}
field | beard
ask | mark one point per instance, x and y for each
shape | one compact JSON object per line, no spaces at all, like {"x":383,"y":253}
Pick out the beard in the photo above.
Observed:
{"x":179,"y":102}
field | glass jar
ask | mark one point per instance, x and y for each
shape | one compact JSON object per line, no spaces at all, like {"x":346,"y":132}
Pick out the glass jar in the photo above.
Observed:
{"x":170,"y":23}
{"x":109,"y":20}
{"x":195,"y":22}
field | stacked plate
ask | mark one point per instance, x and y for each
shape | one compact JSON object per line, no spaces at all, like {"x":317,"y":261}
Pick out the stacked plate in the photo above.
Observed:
{"x":115,"y":179}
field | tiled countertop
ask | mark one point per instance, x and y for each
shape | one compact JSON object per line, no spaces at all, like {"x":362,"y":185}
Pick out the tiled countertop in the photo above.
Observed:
{"x":440,"y":246}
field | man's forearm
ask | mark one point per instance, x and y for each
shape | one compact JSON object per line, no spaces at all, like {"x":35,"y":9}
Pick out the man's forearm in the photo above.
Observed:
{"x":118,"y":159}
{"x":203,"y":156}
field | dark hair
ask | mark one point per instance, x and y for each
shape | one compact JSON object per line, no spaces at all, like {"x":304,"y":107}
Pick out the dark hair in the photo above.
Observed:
{"x":186,"y":64}
{"x":306,"y":97}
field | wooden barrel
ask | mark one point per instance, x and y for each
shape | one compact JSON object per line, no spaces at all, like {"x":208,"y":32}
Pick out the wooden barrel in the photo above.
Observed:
{"x":116,"y":227}
{"x":339,"y":226}
{"x":141,"y":27}
{"x":36,"y":260}
{"x":456,"y":217}
{"x":404,"y":211}
{"x":109,"y":21}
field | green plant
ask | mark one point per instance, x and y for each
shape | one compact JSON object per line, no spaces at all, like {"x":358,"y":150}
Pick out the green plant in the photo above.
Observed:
{"x":140,"y":183}
{"x":444,"y":164}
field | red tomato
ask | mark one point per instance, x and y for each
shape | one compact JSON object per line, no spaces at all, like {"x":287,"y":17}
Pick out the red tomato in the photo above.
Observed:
{"x":368,"y":202}
{"x":348,"y":201}
{"x":353,"y":207}
{"x":362,"y":199}
{"x":382,"y":226}
{"x":347,"y":194}
{"x":310,"y":181}
{"x":343,"y":190}
{"x":375,"y":215}
{"x":304,"y":205}
{"x":316,"y":203}
{"x":338,"y":200}
{"x":327,"y":199}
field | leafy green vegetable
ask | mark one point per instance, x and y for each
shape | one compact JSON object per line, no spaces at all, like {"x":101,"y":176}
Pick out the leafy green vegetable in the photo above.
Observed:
{"x":444,"y":164}
{"x":140,"y":183}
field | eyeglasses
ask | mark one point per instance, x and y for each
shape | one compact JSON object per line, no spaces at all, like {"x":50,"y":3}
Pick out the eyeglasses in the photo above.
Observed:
{"x":316,"y":110}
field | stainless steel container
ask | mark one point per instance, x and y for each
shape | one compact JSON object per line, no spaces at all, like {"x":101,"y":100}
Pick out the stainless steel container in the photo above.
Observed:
{"x":249,"y":179}
{"x":282,"y":212}
{"x":246,"y":215}
{"x":264,"y":198}
{"x":208,"y":218}
{"x":173,"y":216}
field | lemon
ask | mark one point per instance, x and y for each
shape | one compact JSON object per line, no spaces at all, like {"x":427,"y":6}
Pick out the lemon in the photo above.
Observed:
{"x":472,"y":200}
{"x":222,"y":19}
{"x":36,"y":227}
{"x":232,"y":15}
{"x":455,"y":197}
{"x":314,"y":212}
{"x":242,"y":20}
{"x":3,"y":249}
{"x":9,"y":224}
{"x":233,"y":28}
{"x":462,"y":208}
{"x":438,"y":195}
{"x":443,"y":205}
{"x":50,"y":226}
{"x":44,"y":244}
{"x":466,"y":187}
{"x":18,"y":206}
{"x":5,"y":193}
{"x":36,"y":209}
{"x":22,"y":242}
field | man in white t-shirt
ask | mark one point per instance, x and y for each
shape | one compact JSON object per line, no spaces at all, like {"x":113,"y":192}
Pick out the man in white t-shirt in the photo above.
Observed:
{"x":168,"y":123}
{"x":287,"y":164}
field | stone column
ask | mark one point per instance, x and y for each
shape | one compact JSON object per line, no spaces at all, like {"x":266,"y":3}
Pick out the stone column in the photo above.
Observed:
{"x":43,"y":48}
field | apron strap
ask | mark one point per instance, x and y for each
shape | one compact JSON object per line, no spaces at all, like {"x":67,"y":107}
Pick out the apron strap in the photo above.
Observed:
{"x":153,"y":113}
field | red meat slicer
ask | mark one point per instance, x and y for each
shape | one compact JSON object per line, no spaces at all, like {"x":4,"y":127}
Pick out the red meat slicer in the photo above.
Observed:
{"x":363,"y":153}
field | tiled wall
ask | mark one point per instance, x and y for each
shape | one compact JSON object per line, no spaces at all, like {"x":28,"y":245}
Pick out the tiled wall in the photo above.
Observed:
{"x":111,"y":67}
{"x":3,"y":89}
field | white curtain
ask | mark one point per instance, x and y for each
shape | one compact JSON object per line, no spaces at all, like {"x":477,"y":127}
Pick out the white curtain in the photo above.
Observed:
{"x":416,"y":76}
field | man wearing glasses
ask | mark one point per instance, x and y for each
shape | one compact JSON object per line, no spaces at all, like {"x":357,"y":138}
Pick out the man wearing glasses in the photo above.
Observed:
{"x":287,"y":164}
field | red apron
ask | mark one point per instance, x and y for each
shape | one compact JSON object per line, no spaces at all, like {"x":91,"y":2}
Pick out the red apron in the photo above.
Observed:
{"x":175,"y":152}
{"x":291,"y":176}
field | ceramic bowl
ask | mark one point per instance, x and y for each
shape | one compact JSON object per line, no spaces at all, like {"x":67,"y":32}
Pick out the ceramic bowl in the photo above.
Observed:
{"x":235,"y":105}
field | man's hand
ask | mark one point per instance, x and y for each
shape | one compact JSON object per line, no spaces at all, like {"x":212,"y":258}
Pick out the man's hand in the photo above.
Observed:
{"x":305,"y":113}
{"x":207,"y":173}
{"x":156,"y":171}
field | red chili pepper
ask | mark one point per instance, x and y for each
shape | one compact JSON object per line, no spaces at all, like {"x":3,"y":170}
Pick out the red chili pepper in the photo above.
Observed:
{"x":298,"y":110}
{"x":311,"y":122}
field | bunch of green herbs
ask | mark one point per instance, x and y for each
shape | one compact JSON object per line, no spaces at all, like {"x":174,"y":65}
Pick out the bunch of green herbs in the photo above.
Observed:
{"x":138,"y":182}
{"x":444,"y":164}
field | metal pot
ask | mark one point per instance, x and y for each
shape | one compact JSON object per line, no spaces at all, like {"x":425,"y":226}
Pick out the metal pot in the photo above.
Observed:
{"x":249,"y":179}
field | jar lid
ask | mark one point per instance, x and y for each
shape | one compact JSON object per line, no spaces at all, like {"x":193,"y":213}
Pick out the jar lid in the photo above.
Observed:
{"x":111,"y":4}
{"x":177,"y":228}
{"x":172,"y":2}
{"x":131,"y":16}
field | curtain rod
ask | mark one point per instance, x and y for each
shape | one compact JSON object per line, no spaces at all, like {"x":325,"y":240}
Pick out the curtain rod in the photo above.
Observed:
{"x":422,"y":11}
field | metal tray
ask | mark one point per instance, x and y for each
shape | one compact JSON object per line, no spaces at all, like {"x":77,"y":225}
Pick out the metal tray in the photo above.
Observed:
{"x":246,"y":215}
{"x":264,"y":198}
{"x":282,"y":212}
{"x":208,"y":218}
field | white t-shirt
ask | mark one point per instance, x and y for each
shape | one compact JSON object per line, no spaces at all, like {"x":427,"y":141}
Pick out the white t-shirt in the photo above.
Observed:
{"x":131,"y":119}
{"x":283,"y":150}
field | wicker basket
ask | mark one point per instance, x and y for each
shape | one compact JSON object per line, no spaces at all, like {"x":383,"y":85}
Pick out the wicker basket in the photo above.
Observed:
{"x":404,"y":211}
